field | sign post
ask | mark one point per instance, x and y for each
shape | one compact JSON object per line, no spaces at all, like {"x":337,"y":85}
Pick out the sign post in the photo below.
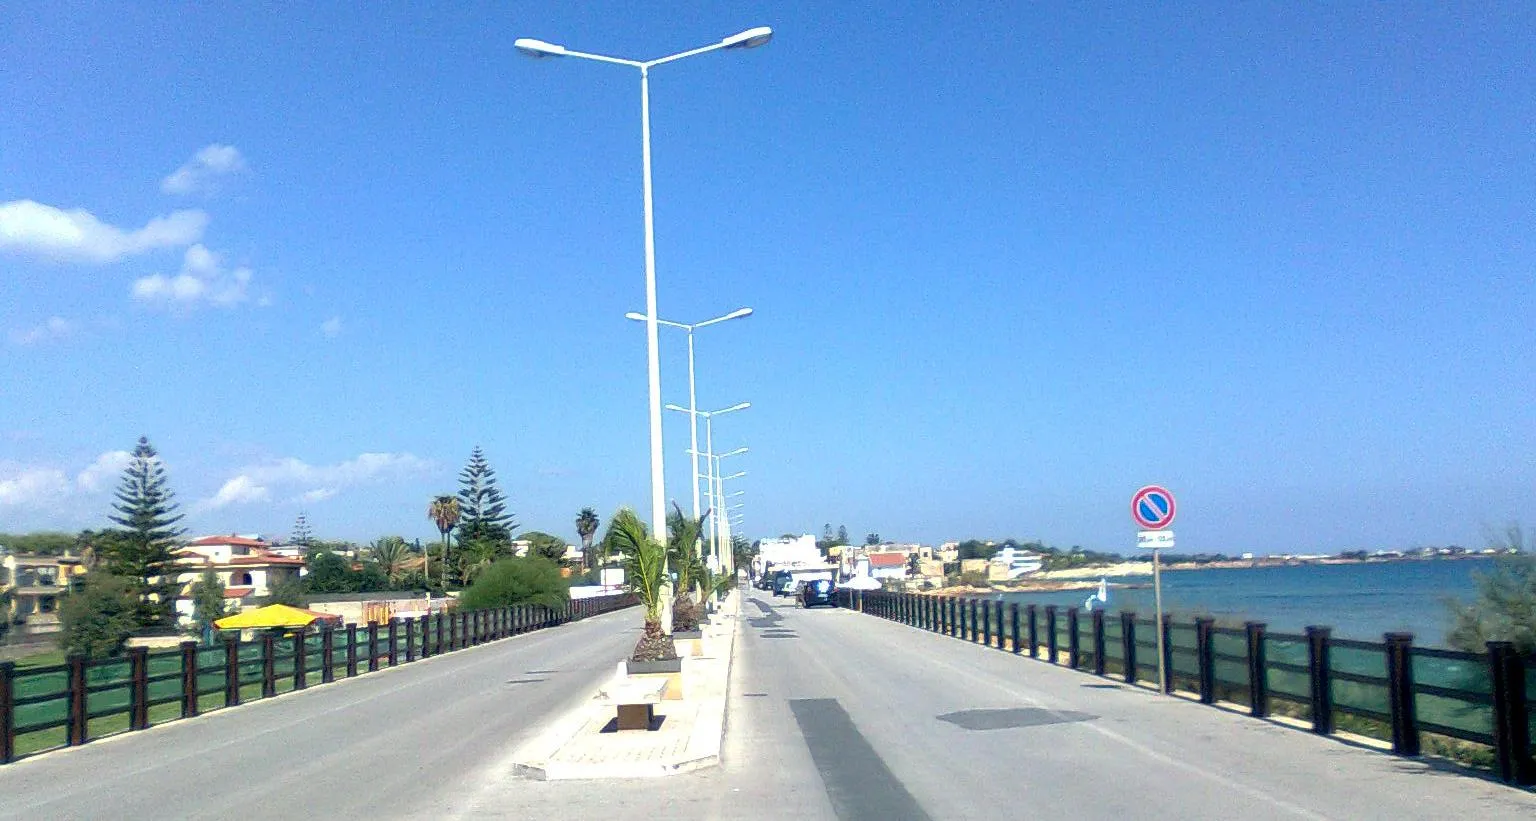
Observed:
{"x":1153,"y":509}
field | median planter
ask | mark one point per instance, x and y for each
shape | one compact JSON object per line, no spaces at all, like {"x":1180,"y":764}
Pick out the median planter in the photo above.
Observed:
{"x":636,"y":668}
{"x":670,"y":670}
{"x":689,"y":642}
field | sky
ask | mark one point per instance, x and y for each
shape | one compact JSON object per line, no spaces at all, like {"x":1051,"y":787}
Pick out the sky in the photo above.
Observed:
{"x":1008,"y":262}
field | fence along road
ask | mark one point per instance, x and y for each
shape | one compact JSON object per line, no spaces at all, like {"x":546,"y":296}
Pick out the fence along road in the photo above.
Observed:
{"x":411,"y":739}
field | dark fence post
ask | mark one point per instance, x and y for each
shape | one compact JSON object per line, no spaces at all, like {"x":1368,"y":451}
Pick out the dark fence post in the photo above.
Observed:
{"x":1034,"y":631}
{"x":77,"y":701}
{"x":1322,"y":680}
{"x":421,"y":624}
{"x":1405,"y":718}
{"x":1013,"y":617}
{"x":300,"y":661}
{"x":1258,"y":675}
{"x":1128,"y":643}
{"x":268,"y":664}
{"x":328,"y":653}
{"x":138,"y":688}
{"x":1050,"y":632}
{"x":437,"y":646}
{"x":1098,"y":642}
{"x":975,"y":631}
{"x":1166,"y":685}
{"x":410,"y":640}
{"x":351,"y":649}
{"x":394,"y":640}
{"x":453,"y":631}
{"x":1511,"y":716}
{"x":232,"y":670}
{"x":7,"y":712}
{"x":373,"y":646}
{"x":986,"y":623}
{"x":188,"y":679}
{"x":1074,"y":652}
{"x":1205,"y":651}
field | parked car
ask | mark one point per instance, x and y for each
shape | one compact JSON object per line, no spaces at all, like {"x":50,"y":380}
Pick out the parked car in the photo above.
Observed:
{"x":818,"y":592}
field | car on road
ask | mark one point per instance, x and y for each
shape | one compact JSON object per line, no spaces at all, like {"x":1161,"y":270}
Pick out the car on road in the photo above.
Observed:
{"x":818,"y":592}
{"x":783,"y":584}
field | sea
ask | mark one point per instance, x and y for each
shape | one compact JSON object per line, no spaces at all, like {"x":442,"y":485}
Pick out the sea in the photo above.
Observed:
{"x":1359,"y":601}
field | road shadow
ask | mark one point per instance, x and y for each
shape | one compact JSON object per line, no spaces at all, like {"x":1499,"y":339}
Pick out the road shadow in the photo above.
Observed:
{"x":1010,"y":718}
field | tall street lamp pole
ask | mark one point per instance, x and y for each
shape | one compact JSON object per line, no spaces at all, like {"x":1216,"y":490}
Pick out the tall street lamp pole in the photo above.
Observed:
{"x":751,"y":38}
{"x":693,"y":401}
{"x":709,"y":432}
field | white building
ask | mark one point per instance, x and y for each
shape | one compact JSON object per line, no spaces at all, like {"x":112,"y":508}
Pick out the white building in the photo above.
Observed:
{"x":247,"y":568}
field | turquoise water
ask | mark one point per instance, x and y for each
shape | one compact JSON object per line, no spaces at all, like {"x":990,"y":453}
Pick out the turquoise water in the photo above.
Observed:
{"x":1359,"y":601}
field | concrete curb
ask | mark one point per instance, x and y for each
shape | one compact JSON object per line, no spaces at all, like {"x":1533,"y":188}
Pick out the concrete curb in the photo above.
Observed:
{"x":535,"y":759}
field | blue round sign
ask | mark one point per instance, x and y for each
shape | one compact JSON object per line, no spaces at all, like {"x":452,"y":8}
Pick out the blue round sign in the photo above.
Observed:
{"x":1153,"y":508}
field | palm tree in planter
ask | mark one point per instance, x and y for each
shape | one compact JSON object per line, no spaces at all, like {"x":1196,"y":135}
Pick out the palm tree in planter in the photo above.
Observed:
{"x":444,"y":512}
{"x":683,"y":556}
{"x":586,"y":526}
{"x":645,"y":563}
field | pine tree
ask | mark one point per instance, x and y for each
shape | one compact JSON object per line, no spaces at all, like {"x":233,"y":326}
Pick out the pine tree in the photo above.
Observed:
{"x":301,"y":532}
{"x":483,"y":509}
{"x":146,"y":512}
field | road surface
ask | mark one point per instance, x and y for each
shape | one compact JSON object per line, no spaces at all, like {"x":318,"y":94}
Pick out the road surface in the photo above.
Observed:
{"x":832,"y":715}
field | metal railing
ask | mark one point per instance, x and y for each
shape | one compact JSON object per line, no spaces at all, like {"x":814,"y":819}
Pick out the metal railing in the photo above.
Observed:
{"x":1403,"y":690}
{"x":69,"y":704}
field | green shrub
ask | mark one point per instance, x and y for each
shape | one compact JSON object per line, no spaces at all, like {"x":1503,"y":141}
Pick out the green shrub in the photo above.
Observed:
{"x":524,"y":580}
{"x":99,"y":617}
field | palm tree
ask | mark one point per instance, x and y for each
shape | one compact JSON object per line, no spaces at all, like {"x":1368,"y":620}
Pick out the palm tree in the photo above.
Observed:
{"x":444,"y":511}
{"x":683,"y":557}
{"x":391,"y":553}
{"x":645,"y":572}
{"x":586,"y":525}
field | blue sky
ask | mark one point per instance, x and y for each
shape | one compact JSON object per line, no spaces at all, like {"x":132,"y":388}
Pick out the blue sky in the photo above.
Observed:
{"x":1007,"y":265}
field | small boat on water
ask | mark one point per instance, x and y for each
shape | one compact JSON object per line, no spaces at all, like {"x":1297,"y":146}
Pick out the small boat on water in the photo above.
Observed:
{"x":1101,"y":596}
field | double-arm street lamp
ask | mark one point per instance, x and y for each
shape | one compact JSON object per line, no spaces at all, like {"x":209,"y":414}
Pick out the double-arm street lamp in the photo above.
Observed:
{"x":709,"y":448}
{"x":751,"y":38}
{"x":693,"y":401}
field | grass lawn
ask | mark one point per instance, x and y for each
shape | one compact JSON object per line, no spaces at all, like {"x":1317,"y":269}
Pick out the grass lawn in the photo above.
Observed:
{"x":44,"y":659}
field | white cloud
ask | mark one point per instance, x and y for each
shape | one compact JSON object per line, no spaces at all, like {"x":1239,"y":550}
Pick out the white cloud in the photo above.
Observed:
{"x":315,"y":483}
{"x":319,"y":494}
{"x":202,"y":279}
{"x":201,"y":173}
{"x":36,"y":487}
{"x":77,"y":235}
{"x":331,"y":327}
{"x":54,"y":328}
{"x":237,"y":491}
{"x":45,"y":487}
{"x":106,"y":468}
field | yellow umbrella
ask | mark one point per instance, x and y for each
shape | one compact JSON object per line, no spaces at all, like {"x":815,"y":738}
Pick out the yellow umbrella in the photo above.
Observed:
{"x":273,"y":615}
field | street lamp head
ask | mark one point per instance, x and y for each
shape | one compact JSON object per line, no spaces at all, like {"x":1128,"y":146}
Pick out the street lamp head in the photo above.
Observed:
{"x":678,"y":408}
{"x":742,"y":406}
{"x":539,"y":48}
{"x":736,"y":452}
{"x":738,"y":313}
{"x":638,"y":317}
{"x":751,"y":38}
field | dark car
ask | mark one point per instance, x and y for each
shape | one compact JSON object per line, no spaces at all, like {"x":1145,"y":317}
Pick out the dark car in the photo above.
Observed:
{"x":818,"y":592}
{"x":783,"y":583}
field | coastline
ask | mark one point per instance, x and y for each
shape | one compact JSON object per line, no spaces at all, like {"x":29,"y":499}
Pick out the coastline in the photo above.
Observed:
{"x":1140,"y":572}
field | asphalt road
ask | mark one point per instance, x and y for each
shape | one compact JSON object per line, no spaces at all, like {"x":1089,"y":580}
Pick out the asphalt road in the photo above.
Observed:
{"x":411,"y":741}
{"x":832,"y":715}
{"x":838,"y":715}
